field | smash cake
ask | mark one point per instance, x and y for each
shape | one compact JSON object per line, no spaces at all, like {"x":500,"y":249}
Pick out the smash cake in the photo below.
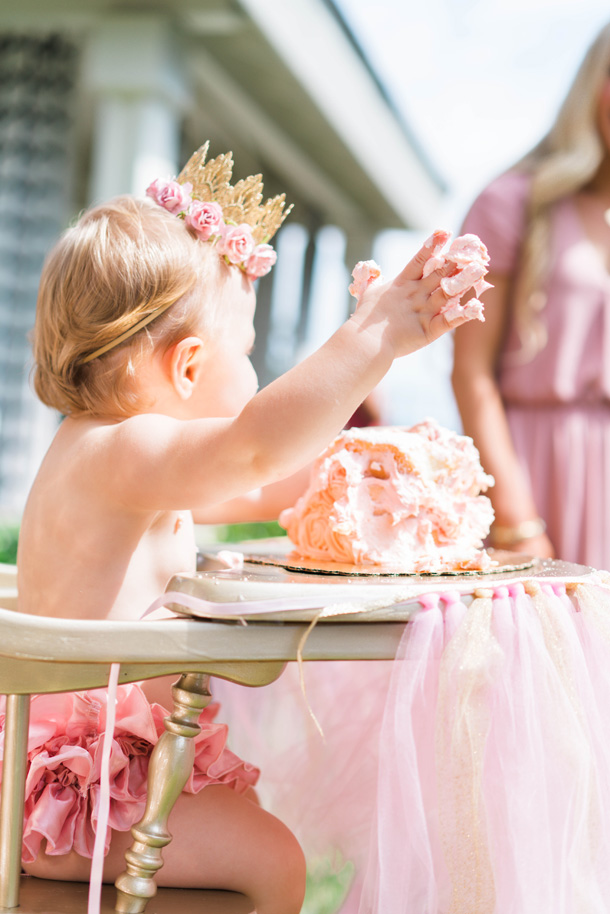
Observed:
{"x":409,"y":498}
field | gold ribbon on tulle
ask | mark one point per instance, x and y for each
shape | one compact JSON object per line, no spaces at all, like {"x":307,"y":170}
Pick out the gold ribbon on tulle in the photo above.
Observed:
{"x":463,"y":720}
{"x":572,"y":737}
{"x":555,"y":641}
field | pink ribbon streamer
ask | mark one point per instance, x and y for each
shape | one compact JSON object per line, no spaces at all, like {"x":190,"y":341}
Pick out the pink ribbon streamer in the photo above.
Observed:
{"x":103,"y":812}
{"x":238,"y":609}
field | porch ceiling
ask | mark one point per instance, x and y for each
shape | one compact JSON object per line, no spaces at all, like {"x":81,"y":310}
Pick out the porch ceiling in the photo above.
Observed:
{"x":285,"y":82}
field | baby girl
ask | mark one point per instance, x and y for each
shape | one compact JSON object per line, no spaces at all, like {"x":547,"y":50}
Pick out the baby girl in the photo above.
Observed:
{"x":142,"y":340}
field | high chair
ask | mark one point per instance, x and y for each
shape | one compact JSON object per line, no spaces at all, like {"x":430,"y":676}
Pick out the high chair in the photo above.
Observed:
{"x":39,"y":655}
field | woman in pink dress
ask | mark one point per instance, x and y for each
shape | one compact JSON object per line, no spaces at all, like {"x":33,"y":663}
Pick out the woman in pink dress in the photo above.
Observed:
{"x":533,"y":382}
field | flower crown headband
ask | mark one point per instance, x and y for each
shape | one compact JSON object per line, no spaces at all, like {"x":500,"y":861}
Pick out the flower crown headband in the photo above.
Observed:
{"x":232,"y":218}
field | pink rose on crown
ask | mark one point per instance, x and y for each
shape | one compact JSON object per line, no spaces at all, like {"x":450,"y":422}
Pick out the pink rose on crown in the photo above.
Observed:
{"x":171,"y":195}
{"x":205,"y":218}
{"x":236,"y":243}
{"x":260,"y":261}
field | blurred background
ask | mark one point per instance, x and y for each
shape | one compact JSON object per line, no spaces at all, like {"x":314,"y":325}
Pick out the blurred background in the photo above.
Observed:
{"x":381,"y":121}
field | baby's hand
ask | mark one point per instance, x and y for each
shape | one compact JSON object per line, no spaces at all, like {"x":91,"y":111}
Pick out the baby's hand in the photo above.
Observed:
{"x":424,"y":301}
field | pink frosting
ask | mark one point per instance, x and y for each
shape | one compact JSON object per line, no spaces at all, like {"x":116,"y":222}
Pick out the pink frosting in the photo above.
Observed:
{"x":395,"y":496}
{"x":471,"y":258}
{"x":464,"y":280}
{"x":437,"y":241}
{"x":365,"y":273}
{"x":466,"y":249}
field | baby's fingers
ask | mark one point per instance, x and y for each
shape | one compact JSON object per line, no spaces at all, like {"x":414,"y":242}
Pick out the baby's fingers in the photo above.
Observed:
{"x":415,"y":268}
{"x":452,"y":314}
{"x":442,"y":323}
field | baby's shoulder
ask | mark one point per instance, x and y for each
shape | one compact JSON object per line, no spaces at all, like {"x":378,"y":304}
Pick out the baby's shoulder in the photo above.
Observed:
{"x":99,"y":439}
{"x":99,"y":455}
{"x":126,"y":459}
{"x":141,"y":436}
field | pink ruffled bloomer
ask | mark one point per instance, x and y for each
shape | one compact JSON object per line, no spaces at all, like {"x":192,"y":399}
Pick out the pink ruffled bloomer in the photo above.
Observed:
{"x":64,"y":752}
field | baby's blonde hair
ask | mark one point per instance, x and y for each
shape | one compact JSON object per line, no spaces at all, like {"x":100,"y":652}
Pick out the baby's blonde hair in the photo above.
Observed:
{"x":562,"y":163}
{"x":120,"y":262}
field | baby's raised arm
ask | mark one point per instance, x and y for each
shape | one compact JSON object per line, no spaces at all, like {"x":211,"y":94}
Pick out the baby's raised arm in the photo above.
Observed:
{"x":202,"y":462}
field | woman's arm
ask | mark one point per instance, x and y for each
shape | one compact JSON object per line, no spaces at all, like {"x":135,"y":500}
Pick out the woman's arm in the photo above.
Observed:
{"x":476,"y":351}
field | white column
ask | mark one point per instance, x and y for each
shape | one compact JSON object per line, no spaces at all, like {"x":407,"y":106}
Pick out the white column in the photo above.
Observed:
{"x":134,"y":75}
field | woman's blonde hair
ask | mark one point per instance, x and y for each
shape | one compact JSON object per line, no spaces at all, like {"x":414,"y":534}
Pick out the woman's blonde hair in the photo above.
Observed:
{"x":563,"y":162}
{"x":119,"y":263}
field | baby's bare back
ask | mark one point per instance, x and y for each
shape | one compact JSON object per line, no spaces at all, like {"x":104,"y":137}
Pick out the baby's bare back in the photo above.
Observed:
{"x":82,"y":552}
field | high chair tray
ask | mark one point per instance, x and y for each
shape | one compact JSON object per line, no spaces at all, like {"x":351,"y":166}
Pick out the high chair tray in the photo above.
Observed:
{"x":384,"y":598}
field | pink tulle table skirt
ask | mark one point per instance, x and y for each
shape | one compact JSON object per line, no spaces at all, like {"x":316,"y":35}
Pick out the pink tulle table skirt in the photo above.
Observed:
{"x":62,"y":790}
{"x":469,"y":776}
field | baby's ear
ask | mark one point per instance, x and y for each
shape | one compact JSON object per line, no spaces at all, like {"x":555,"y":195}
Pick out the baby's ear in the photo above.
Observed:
{"x":184,"y":362}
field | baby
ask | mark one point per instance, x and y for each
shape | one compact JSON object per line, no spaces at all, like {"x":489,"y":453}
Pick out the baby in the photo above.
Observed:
{"x":143,"y":333}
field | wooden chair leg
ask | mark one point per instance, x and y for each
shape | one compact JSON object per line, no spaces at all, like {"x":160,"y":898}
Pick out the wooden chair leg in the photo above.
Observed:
{"x":171,"y":763}
{"x":12,"y":797}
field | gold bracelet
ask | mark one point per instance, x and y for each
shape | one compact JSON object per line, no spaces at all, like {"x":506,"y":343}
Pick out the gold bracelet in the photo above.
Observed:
{"x":510,"y":536}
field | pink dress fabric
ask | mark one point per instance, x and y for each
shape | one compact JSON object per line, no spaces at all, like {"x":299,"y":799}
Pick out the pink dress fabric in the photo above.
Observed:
{"x":64,"y":757}
{"x":558,"y":404}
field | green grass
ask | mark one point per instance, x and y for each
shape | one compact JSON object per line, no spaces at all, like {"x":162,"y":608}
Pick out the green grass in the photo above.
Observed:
{"x":328,"y":883}
{"x":234,"y":533}
{"x":9,"y":535}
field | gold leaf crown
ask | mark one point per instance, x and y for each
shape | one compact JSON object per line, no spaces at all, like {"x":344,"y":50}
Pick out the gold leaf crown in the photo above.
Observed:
{"x":241,"y":202}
